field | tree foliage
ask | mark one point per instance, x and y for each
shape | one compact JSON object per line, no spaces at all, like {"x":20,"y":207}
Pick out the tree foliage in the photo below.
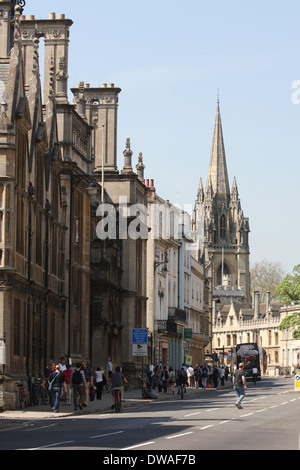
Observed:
{"x":289,"y":291}
{"x":265,"y":277}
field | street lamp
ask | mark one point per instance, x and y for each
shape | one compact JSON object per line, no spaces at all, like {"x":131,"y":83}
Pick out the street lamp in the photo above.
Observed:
{"x":158,"y":263}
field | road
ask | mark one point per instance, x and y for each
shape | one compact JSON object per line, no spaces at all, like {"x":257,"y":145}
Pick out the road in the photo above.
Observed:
{"x":269,"y":420}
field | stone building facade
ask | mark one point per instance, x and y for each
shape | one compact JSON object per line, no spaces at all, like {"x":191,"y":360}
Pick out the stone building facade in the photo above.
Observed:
{"x":238,"y":323}
{"x":289,"y":347}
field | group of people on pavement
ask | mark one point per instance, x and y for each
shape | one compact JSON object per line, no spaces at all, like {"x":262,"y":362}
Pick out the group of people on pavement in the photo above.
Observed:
{"x":79,"y":383}
{"x":201,"y":376}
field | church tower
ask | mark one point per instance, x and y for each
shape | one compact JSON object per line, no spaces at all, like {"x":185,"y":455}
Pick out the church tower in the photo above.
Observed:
{"x":220,"y":229}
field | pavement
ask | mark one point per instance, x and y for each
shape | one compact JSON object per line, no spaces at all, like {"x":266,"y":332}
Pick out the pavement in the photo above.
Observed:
{"x":133,"y":398}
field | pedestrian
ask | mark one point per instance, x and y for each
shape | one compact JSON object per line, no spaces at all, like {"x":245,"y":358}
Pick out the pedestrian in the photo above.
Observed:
{"x":172,"y":381}
{"x":164,"y":379}
{"x":254,"y":372}
{"x":57,"y":384}
{"x":182,"y":379}
{"x":62,"y":364}
{"x":88,"y":381}
{"x":197,"y":375}
{"x":158,"y":373}
{"x":117,"y":380}
{"x":78,"y":383}
{"x":222,"y":375}
{"x":204,"y":377}
{"x":190,"y":376}
{"x":239,"y":385}
{"x":48,"y":372}
{"x":99,"y":382}
{"x":215,"y":376}
{"x":226,"y":373}
{"x":110,"y":367}
{"x":67,"y":375}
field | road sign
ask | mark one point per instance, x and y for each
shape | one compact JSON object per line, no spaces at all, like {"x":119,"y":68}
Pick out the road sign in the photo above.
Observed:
{"x":297,"y":382}
{"x":188,"y":333}
{"x":140,"y":349}
{"x":188,"y":360}
{"x":140,"y":335}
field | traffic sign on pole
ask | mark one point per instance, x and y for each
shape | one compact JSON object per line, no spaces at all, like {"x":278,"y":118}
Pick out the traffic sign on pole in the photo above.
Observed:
{"x":140,"y":335}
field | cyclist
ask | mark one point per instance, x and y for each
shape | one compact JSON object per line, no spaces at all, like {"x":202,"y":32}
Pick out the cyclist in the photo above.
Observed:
{"x":182,"y":379}
{"x":117,"y":381}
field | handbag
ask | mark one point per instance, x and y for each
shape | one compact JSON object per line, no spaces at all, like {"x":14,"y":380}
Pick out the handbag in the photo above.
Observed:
{"x":92,"y":393}
{"x":50,"y":386}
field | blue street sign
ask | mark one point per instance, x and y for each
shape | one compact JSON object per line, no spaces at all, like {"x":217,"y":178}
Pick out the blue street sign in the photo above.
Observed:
{"x":140,"y":335}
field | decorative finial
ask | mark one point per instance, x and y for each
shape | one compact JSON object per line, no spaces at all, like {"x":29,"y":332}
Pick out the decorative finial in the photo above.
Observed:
{"x":218,"y":96}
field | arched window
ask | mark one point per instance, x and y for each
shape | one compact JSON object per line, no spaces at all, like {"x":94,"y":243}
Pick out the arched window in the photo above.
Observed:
{"x":223,"y":227}
{"x":219,"y":274}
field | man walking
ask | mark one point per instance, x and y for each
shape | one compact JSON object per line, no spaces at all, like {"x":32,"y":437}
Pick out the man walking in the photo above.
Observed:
{"x":254,"y":372}
{"x":239,"y":385}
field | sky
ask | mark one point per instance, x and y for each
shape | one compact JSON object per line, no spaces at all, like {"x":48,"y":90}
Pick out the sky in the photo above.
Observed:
{"x":171,"y":58}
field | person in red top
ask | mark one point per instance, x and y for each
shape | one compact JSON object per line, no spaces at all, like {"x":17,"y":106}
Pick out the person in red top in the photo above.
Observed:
{"x":67,"y":376}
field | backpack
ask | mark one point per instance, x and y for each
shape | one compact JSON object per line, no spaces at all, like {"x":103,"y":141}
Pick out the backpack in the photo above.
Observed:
{"x":76,"y":377}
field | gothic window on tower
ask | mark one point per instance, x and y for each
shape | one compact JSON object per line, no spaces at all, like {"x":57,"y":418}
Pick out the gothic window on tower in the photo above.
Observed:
{"x":225,"y":271}
{"x":223,"y":227}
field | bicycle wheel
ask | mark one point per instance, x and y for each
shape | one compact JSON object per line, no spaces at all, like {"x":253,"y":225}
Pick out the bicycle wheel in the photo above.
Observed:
{"x":117,"y":401}
{"x":45,"y":396}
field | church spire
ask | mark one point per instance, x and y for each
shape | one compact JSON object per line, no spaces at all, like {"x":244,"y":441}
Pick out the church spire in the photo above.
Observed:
{"x":217,"y":171}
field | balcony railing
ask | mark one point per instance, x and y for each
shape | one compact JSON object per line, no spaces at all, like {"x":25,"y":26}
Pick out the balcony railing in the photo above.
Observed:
{"x":166,"y":327}
{"x":176,"y":314}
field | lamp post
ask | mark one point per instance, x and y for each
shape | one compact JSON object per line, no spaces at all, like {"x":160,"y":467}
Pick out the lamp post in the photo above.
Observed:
{"x":164,"y":271}
{"x":102,"y":185}
{"x":158,"y":263}
{"x":75,"y":179}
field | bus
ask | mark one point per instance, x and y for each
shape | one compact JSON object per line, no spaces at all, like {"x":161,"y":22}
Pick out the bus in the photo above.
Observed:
{"x":249,"y":354}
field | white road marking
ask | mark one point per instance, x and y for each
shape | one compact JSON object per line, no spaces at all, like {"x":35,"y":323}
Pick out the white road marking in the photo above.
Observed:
{"x":51,"y":445}
{"x":179,"y":435}
{"x":138,"y":445}
{"x":103,"y":435}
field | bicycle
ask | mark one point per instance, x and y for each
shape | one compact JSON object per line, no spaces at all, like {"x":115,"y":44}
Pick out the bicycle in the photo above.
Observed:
{"x":141,"y":380}
{"x":106,"y":387}
{"x":118,"y":402}
{"x":22,"y":395}
{"x":40,"y":393}
{"x":127,"y":386}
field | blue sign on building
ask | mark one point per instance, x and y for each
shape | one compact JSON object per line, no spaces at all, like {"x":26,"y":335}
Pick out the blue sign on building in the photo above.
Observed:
{"x":140,"y":335}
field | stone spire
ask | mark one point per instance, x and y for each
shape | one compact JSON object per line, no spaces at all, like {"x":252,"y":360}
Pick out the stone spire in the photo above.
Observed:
{"x":127,"y":168}
{"x":140,"y":167}
{"x":200,"y":193}
{"x":217,"y":171}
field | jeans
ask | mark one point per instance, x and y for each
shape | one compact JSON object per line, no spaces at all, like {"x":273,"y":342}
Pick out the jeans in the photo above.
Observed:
{"x":240,"y":394}
{"x":56,"y":393}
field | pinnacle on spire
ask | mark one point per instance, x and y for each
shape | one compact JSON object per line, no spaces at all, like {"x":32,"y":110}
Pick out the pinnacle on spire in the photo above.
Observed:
{"x":217,"y":171}
{"x":200,"y":193}
{"x":234,"y":189}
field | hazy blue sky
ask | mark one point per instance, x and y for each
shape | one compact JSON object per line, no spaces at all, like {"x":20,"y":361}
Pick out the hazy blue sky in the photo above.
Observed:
{"x":170,"y":57}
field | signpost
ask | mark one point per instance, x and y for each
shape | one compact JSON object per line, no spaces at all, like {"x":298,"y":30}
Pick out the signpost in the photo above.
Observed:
{"x":140,"y":342}
{"x":140,"y":345}
{"x":297,"y":380}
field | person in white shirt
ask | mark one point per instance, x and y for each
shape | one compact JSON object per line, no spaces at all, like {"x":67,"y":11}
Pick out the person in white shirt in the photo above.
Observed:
{"x":190,"y":376}
{"x":99,"y":381}
{"x":254,"y":372}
